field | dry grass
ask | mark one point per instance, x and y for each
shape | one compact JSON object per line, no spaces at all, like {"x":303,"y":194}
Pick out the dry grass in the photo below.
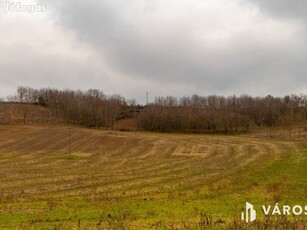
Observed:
{"x":131,"y":180}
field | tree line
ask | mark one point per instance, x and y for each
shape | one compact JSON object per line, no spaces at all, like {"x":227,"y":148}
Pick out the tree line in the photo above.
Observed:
{"x":218,"y":114}
{"x":90,"y":108}
{"x":188,"y":114}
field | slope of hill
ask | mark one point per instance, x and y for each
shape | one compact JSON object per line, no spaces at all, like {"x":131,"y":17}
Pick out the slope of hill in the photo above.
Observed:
{"x":26,"y":113}
{"x":56,"y":178}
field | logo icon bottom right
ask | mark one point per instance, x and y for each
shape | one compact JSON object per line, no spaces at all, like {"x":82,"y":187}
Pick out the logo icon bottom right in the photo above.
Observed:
{"x":250,"y":213}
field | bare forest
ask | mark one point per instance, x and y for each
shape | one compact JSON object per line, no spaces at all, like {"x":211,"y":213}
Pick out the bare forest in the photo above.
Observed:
{"x":188,"y":114}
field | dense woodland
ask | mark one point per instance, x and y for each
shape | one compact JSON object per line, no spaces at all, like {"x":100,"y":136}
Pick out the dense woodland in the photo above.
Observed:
{"x":194,"y":114}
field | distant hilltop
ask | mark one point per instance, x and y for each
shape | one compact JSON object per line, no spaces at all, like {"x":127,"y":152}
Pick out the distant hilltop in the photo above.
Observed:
{"x":26,"y":113}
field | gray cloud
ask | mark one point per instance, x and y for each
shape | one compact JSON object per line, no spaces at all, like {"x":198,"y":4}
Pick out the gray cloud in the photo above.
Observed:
{"x":165,"y":49}
{"x":169,"y":47}
{"x":283,"y":8}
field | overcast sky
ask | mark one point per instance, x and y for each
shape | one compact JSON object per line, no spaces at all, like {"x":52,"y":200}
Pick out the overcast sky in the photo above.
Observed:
{"x":166,"y":47}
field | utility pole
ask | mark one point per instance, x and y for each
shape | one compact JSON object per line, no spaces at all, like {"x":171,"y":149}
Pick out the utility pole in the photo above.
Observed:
{"x":69,"y":140}
{"x":146,"y":97}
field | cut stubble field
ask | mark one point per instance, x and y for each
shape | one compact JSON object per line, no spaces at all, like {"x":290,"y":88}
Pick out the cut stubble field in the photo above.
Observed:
{"x":138,"y":180}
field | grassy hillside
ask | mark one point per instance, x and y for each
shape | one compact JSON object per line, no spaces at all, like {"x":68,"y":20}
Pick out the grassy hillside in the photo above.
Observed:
{"x":27,"y":113}
{"x":116,"y":180}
